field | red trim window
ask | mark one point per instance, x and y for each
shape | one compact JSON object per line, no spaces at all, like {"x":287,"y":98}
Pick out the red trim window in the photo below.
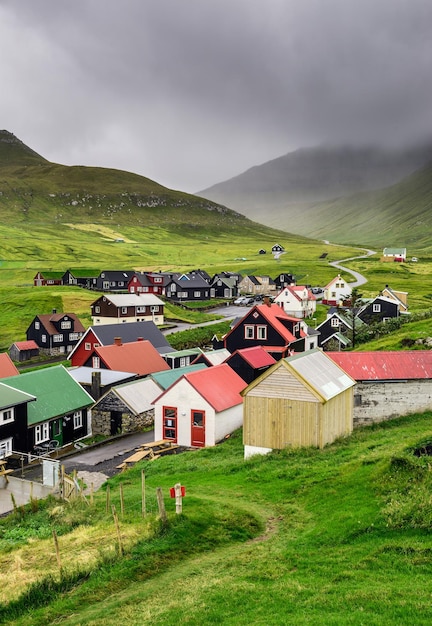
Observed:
{"x":169,"y":423}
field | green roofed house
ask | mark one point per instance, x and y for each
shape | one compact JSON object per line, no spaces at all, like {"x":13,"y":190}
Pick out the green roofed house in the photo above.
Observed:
{"x":59,"y":416}
{"x":182,"y":358}
{"x":13,"y":419}
{"x":45,"y":278}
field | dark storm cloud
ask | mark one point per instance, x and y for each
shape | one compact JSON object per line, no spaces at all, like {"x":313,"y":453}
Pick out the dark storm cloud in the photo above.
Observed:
{"x":192,"y":92}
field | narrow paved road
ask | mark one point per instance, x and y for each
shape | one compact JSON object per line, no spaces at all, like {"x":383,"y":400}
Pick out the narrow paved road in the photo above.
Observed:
{"x":359,"y":278}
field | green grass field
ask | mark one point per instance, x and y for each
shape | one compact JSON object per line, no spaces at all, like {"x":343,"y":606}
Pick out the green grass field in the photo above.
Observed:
{"x":333,"y":536}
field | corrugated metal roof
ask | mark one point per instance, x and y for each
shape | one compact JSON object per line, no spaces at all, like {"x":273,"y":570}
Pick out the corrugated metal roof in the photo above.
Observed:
{"x":166,"y":379}
{"x":7,"y":366}
{"x":30,"y":344}
{"x":216,"y":357}
{"x":321,"y":373}
{"x":256,"y":356}
{"x":220,"y":386}
{"x":83,"y":375}
{"x":403,"y":365}
{"x":57,"y":393}
{"x":138,"y":395}
{"x":139,"y":356}
{"x":131,"y":299}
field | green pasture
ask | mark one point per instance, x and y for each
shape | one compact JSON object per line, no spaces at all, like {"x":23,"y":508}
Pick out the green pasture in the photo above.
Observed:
{"x":334,"y":536}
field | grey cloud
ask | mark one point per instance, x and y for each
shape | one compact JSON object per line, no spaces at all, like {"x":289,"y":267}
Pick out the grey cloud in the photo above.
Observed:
{"x":190,"y":93}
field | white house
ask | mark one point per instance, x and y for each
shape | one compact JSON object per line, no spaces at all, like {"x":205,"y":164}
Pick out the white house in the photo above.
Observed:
{"x":336,"y":291}
{"x":297,"y":301}
{"x":201,"y":407}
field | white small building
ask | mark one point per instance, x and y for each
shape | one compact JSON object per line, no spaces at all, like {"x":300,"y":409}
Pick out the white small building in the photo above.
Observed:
{"x":297,"y":301}
{"x":201,"y":407}
{"x":336,"y":292}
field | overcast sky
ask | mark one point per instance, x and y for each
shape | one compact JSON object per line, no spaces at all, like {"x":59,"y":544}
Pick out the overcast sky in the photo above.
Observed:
{"x":193,"y":92}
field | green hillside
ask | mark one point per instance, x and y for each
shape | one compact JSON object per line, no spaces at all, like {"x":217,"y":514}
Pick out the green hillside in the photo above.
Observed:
{"x":335,"y":536}
{"x":358,"y":196}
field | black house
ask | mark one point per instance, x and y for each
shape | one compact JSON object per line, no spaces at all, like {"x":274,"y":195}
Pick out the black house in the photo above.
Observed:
{"x":55,"y":333}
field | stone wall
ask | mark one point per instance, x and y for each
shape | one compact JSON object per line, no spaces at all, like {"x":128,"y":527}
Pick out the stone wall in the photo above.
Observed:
{"x":379,"y":401}
{"x":101,"y":421}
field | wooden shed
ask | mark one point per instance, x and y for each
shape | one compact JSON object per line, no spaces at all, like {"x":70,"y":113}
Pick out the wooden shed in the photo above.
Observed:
{"x":302,"y":400}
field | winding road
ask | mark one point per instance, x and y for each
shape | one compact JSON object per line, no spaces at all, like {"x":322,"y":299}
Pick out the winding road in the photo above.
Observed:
{"x":359,"y":278}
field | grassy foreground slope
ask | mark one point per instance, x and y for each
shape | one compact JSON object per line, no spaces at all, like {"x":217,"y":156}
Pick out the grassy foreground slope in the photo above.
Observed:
{"x":334,"y":536}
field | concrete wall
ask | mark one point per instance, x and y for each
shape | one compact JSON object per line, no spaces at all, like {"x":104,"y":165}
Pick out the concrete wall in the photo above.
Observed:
{"x":379,"y":401}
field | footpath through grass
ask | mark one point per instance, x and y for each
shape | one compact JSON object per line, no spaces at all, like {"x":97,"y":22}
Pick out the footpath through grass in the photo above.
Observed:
{"x":334,"y":536}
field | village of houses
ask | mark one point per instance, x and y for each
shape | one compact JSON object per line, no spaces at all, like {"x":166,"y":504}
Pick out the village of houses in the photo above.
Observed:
{"x":284,"y":381}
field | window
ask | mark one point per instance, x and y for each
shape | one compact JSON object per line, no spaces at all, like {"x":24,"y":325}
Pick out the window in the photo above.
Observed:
{"x":42,"y":433}
{"x":249,"y":332}
{"x":37,"y":325}
{"x":154,"y":308}
{"x":197,"y":294}
{"x":65,"y":325}
{"x":376,"y":308}
{"x":262,"y":332}
{"x":97,"y":309}
{"x":77,"y":419}
{"x":87,"y":346}
{"x":73,"y":336}
{"x":43,"y":338}
{"x":121,"y":284}
{"x":5,"y":447}
{"x":157,"y":279}
{"x":6,"y":416}
{"x":169,"y":423}
{"x":184,"y":361}
{"x":57,"y":338}
{"x":357,"y":400}
{"x":333,"y":294}
{"x":96,"y":362}
{"x":124,"y":310}
{"x":335,"y":322}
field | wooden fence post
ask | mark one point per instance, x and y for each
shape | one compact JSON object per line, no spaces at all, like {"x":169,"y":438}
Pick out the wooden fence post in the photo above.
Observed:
{"x":178,"y":498}
{"x":116,"y":522}
{"x":57,"y":549}
{"x":143,"y":494}
{"x":161,"y":505}
{"x":121,"y":500}
{"x":107,"y":498}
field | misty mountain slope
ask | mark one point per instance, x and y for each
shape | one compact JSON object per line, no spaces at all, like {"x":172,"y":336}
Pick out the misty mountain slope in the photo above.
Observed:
{"x":33,"y":189}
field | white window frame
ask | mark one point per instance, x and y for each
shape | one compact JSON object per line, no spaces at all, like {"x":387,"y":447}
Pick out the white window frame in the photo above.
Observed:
{"x":66,"y":325}
{"x":37,"y":325}
{"x":43,"y":338}
{"x":97,"y":309}
{"x":87,"y":345}
{"x":57,"y":338}
{"x":124,"y":310}
{"x":96,"y":362}
{"x":41,"y":433}
{"x":154,"y":308}
{"x":140,"y":309}
{"x":335,"y":322}
{"x":77,"y":420}
{"x":376,"y":307}
{"x":73,"y":336}
{"x":5,"y":447}
{"x":262,"y":332}
{"x":7,"y":416}
{"x":249,"y":331}
{"x":197,"y":294}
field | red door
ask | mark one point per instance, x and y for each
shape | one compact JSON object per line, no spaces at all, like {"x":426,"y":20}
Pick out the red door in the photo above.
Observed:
{"x":169,"y":423}
{"x":198,"y":428}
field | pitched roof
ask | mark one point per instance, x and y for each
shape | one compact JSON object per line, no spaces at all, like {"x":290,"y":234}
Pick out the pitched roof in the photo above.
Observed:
{"x":57,"y":393}
{"x":48,"y":319}
{"x":132,"y":331}
{"x":139,"y":357}
{"x":7,"y":367}
{"x":11,"y":397}
{"x":325,"y":376}
{"x":30,"y":344}
{"x":138,"y":395}
{"x":169,"y":377}
{"x":276,"y":316}
{"x":132,"y":299}
{"x":215,"y":357}
{"x":256,"y":357}
{"x":404,"y":365}
{"x":83,"y":375}
{"x":220,"y":386}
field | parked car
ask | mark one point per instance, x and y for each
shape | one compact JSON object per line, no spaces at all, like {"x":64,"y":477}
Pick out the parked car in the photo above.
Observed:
{"x":250,"y":300}
{"x":317,"y":290}
{"x":241,"y":301}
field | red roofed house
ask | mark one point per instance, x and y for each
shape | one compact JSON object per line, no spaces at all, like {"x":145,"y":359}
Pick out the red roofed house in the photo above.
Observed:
{"x":201,"y":407}
{"x":23,"y":350}
{"x":7,"y":368}
{"x":297,"y":301}
{"x":137,"y":357}
{"x":249,"y":363}
{"x":388,"y":384}
{"x":269,"y":326}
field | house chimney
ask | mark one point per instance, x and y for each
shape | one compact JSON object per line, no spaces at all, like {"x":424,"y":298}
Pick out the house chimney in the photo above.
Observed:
{"x":117,"y":341}
{"x":54,"y":311}
{"x":140,"y":338}
{"x":96,"y":385}
{"x":266,"y":300}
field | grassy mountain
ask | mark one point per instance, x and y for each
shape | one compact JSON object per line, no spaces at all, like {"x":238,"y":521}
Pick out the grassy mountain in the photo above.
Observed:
{"x":310,"y":191}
